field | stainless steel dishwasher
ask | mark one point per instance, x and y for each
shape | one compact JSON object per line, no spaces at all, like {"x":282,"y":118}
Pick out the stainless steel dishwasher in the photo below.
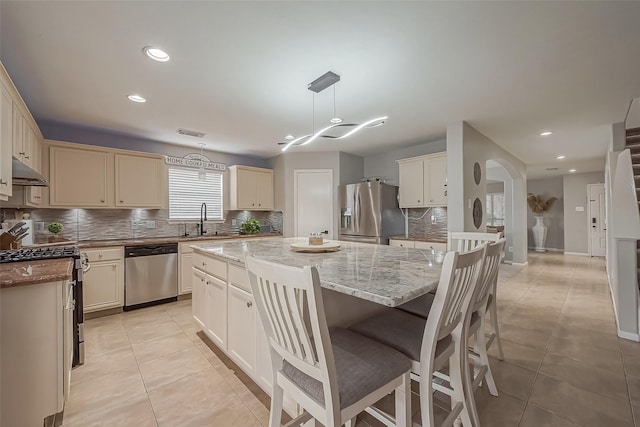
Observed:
{"x":150,"y":275}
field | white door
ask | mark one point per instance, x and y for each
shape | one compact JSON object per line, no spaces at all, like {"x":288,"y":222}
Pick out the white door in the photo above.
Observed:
{"x":597,"y":220}
{"x":313,"y":202}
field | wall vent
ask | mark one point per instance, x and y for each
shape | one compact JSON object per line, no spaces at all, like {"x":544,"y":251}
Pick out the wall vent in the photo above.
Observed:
{"x":192,"y":133}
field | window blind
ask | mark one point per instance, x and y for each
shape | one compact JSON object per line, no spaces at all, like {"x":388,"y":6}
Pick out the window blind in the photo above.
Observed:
{"x":187,"y":193}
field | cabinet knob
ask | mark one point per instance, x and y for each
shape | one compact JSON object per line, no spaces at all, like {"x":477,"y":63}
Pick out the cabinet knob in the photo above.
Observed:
{"x":113,"y":267}
{"x":22,"y":153}
{"x":204,"y":264}
{"x":121,"y":201}
{"x":101,"y":200}
{"x":3,"y":182}
{"x":249,"y":304}
{"x":253,"y":204}
{"x":26,"y":157}
{"x":418,"y":201}
{"x":36,"y":197}
{"x":99,"y":255}
{"x":431,"y":200}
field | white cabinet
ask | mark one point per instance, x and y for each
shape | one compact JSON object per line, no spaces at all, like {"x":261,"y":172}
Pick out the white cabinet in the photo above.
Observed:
{"x":250,"y":188}
{"x":217,"y":308}
{"x":423,"y":181}
{"x":199,"y":300}
{"x":140,"y":182}
{"x":6,"y":142}
{"x":185,"y":266}
{"x":103,"y":284}
{"x":402,"y":243}
{"x":418,"y":244}
{"x":33,"y":362}
{"x":80,"y":178}
{"x":242,"y":329}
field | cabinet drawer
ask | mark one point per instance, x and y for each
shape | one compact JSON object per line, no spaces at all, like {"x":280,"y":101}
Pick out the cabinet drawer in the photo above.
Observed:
{"x":432,"y":245}
{"x":95,"y":255}
{"x":239,"y":277}
{"x":185,"y":247}
{"x":209,"y":265}
{"x":402,"y":243}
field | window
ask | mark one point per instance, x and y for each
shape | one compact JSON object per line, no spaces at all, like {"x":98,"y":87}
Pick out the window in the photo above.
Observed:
{"x":495,"y":209}
{"x":187,"y":193}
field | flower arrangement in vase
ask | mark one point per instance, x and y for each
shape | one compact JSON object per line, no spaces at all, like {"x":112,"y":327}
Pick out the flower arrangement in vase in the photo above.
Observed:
{"x":539,"y":206}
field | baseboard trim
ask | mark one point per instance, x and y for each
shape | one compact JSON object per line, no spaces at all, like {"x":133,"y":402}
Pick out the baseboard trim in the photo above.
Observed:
{"x":576,"y":253}
{"x":533,"y":249}
{"x":629,"y":336}
{"x":520,"y":264}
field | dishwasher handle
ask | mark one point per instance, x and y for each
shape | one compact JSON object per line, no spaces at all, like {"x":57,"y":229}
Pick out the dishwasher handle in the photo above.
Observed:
{"x":150,"y":250}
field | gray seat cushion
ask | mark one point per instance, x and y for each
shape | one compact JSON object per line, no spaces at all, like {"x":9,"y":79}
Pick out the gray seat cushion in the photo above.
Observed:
{"x":400,"y":330}
{"x":362,"y":366}
{"x":420,"y":306}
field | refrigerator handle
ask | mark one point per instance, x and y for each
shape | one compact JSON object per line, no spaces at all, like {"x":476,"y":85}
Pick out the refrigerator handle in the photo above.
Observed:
{"x":356,"y":210}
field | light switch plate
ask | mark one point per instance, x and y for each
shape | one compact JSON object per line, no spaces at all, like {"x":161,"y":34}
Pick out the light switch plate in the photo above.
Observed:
{"x":150,"y":224}
{"x":579,"y":208}
{"x":234,"y":222}
{"x":39,"y":226}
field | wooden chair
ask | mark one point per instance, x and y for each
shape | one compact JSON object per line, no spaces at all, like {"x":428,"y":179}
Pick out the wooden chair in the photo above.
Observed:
{"x":439,"y":340}
{"x":469,"y":240}
{"x":334,"y":374}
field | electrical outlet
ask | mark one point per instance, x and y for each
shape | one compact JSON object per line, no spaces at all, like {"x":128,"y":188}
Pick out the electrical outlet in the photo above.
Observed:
{"x":234,"y":222}
{"x":510,"y":248}
{"x":134,"y":224}
{"x":433,"y":219}
{"x":39,"y":226}
{"x":150,"y":224}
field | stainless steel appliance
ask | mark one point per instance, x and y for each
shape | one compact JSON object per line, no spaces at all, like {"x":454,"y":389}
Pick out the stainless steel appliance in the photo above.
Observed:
{"x":150,"y":275}
{"x":81,"y":266}
{"x":369,"y":212}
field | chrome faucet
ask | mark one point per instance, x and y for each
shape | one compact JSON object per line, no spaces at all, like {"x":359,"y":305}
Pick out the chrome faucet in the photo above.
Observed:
{"x":203,"y":219}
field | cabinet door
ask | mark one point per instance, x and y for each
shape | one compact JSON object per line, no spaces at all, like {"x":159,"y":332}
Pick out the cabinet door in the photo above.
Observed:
{"x":264,"y":371}
{"x":186,"y":265}
{"x":139,"y":181}
{"x":103,"y":286}
{"x":199,"y":300}
{"x":264,"y":190}
{"x":80,"y":178}
{"x":437,"y":181}
{"x":217,"y":306}
{"x":246,"y":189}
{"x":402,"y":243}
{"x":18,"y":152}
{"x":6,"y":143}
{"x":27,"y":144}
{"x":242,"y":329}
{"x":412,"y":184}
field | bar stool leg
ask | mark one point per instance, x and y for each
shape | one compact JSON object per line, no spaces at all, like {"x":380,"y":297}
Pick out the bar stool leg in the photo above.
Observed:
{"x":493,"y":311}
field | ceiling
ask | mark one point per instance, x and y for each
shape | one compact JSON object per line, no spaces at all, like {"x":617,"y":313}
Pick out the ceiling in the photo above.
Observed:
{"x":239,"y":71}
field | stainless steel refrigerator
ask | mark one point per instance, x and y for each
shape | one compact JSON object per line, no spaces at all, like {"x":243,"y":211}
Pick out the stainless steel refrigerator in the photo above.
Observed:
{"x":369,"y":212}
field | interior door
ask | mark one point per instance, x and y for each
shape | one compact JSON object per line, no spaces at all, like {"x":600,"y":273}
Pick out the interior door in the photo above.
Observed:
{"x":597,"y":220}
{"x":313,"y":202}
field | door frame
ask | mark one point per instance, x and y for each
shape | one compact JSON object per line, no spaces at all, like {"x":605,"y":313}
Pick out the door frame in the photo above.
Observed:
{"x":604,"y":220}
{"x":296,"y":172}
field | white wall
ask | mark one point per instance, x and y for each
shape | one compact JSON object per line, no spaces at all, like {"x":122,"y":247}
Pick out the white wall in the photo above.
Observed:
{"x":554,"y":217}
{"x":576,"y":224}
{"x":351,"y":169}
{"x":465,"y":146}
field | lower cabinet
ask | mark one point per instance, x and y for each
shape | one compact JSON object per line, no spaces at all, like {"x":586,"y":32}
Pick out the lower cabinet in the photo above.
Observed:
{"x":103,"y":284}
{"x":186,"y":266}
{"x":226,"y":312}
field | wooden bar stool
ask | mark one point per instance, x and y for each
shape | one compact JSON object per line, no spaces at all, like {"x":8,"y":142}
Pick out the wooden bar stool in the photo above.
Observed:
{"x":334,"y":374}
{"x":439,"y":340}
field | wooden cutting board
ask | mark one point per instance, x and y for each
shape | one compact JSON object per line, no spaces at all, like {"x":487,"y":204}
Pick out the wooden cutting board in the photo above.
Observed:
{"x":325,"y":247}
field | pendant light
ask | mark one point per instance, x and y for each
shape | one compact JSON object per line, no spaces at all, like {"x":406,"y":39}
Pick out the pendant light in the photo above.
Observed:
{"x":321,"y":83}
{"x":202,"y":174}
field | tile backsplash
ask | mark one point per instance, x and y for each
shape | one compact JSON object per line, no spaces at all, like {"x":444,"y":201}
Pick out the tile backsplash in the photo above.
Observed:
{"x":421,"y":223}
{"x":101,"y":224}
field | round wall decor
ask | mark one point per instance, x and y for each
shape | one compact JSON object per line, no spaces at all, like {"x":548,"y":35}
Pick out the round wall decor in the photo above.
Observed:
{"x":477,"y":212}
{"x":477,"y":173}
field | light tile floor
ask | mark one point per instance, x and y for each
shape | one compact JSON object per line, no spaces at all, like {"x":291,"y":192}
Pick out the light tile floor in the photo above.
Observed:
{"x":564,"y":365}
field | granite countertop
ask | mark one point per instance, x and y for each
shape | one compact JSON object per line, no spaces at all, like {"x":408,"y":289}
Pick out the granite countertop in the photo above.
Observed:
{"x":383,"y":274}
{"x":420,"y":239}
{"x":88,"y":244}
{"x":13,"y":274}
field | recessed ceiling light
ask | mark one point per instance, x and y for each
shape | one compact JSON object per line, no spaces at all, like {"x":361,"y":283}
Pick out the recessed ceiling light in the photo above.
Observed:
{"x":560,"y":157}
{"x":136,"y":98}
{"x":546,"y":133}
{"x":336,"y":120}
{"x":156,"y":54}
{"x":572,"y":170}
{"x":289,"y":137}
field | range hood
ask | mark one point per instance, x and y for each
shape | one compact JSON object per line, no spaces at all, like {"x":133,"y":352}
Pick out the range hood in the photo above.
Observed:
{"x":24,"y":176}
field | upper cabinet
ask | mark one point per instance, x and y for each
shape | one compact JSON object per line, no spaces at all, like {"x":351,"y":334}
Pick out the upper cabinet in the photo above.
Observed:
{"x":80,"y":178}
{"x":423,"y":181}
{"x":250,"y":188}
{"x":6,"y":142}
{"x":140,"y":181}
{"x":85,"y":177}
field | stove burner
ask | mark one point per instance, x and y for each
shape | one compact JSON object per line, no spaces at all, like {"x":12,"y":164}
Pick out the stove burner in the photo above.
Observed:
{"x":31,"y":254}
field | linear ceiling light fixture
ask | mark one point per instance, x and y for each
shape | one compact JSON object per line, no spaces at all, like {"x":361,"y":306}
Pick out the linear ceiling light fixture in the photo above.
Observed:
{"x":326,"y":80}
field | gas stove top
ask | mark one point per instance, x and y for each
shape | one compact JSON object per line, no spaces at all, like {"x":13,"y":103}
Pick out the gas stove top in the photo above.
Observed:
{"x":31,"y":254}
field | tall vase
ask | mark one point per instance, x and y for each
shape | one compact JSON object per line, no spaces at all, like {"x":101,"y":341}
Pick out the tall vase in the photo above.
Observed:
{"x":539,"y":233}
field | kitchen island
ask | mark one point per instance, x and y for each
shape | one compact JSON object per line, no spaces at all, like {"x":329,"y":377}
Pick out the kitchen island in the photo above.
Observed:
{"x":358,"y":281}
